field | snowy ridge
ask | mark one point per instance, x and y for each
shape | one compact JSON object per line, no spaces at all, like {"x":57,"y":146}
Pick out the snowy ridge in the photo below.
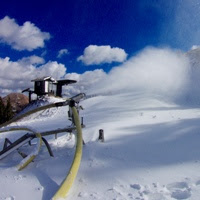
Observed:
{"x":41,"y":102}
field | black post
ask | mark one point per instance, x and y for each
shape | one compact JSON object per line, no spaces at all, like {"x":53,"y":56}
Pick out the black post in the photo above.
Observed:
{"x":29,"y":96}
{"x":101,"y":135}
{"x":59,"y":90}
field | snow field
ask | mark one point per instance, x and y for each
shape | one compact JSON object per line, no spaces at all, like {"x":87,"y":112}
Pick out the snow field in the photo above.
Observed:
{"x":151,"y":152}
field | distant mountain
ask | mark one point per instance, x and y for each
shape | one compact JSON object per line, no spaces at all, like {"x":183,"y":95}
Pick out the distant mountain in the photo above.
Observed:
{"x":194,"y":74}
{"x":194,"y":56}
{"x":18,"y":101}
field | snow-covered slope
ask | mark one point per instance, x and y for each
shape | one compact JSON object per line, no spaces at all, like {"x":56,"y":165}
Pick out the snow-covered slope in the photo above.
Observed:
{"x":151,"y":120}
{"x":151,"y":151}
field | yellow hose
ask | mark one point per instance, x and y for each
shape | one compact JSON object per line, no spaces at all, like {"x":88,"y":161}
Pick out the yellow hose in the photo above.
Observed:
{"x":29,"y":158}
{"x":68,"y":181}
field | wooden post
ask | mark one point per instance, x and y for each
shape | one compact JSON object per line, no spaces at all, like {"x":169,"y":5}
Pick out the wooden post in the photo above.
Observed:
{"x":101,"y":135}
{"x":29,"y":96}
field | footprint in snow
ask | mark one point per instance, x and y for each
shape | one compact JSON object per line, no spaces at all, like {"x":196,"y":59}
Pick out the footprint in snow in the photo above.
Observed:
{"x":179,"y":190}
{"x":198,"y":182}
{"x":10,"y":198}
{"x":143,"y":191}
{"x":136,"y":186}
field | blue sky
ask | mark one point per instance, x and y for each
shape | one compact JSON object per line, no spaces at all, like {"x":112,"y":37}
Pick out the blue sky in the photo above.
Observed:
{"x":74,"y":25}
{"x":123,"y":27}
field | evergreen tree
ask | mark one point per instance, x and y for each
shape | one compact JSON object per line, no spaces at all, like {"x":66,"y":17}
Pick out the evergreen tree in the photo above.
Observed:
{"x":2,"y":111}
{"x":8,"y":111}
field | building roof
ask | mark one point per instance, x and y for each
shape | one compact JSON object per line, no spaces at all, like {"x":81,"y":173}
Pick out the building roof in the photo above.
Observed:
{"x":45,"y":78}
{"x":66,"y":82}
{"x":60,"y":82}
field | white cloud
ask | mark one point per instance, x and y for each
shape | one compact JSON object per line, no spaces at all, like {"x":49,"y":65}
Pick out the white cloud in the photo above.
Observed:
{"x":158,"y":72}
{"x":53,"y":69}
{"x":25,"y":37}
{"x":32,"y":60}
{"x":62,"y":52}
{"x":84,"y":81}
{"x":16,"y":76}
{"x":95,"y":55}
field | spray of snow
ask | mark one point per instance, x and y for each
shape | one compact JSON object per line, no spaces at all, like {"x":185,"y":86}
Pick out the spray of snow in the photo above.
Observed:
{"x":170,"y":74}
{"x":153,"y":71}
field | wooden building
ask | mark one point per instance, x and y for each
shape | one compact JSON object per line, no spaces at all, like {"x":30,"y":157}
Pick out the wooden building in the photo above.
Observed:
{"x":48,"y":86}
{"x":45,"y":85}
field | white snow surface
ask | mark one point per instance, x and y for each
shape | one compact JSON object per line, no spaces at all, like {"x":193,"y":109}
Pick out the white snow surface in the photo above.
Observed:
{"x":151,"y":152}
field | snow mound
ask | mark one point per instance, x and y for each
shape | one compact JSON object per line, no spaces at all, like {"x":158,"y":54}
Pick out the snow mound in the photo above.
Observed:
{"x":45,"y":100}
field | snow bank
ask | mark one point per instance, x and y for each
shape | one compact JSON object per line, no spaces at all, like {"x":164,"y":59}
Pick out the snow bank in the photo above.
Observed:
{"x":45,"y":100}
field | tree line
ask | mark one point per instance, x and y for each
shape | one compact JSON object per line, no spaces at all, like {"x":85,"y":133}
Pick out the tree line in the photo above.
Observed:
{"x":6,"y":111}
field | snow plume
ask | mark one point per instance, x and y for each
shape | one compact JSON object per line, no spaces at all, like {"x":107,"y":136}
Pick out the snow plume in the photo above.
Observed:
{"x":25,"y":37}
{"x":16,"y":76}
{"x":169,"y":74}
{"x":161,"y":72}
{"x":193,"y":95}
{"x":185,"y":27}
